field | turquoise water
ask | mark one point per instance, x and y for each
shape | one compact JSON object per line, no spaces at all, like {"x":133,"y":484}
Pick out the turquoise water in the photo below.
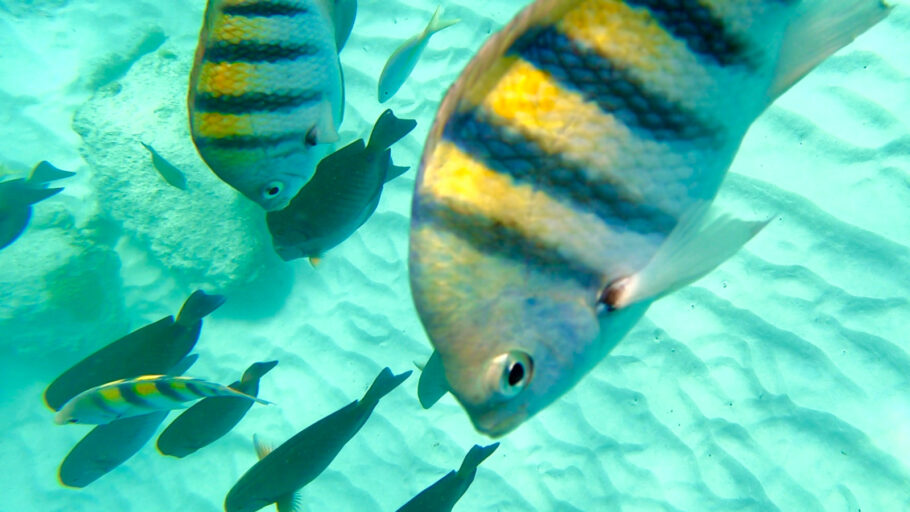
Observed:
{"x":781,"y":381}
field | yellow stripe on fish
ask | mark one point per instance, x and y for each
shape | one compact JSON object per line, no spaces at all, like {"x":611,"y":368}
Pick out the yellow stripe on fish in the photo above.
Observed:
{"x":216,"y":125}
{"x":470,"y":188}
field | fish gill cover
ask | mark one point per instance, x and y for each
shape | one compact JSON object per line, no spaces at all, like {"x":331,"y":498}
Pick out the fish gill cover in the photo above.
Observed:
{"x":779,"y":381}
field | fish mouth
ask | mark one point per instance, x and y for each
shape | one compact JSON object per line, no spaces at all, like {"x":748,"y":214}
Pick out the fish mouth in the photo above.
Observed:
{"x":496,"y":423}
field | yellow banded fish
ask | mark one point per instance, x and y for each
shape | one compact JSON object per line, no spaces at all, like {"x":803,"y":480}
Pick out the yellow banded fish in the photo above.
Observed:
{"x":266,"y":93}
{"x":566,"y":181}
{"x":132,"y":397}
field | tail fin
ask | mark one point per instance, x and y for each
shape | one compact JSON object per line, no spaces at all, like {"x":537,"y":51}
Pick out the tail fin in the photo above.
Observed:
{"x":384,"y":383}
{"x":388,"y":130}
{"x":45,"y":172}
{"x":436,"y":24}
{"x":475,"y":456}
{"x":824,"y":27}
{"x":197,"y":306}
{"x":257,"y":370}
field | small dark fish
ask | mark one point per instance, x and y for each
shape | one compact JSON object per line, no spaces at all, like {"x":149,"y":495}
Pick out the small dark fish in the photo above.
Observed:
{"x":445,"y":492}
{"x":17,"y":197}
{"x":213,"y":417}
{"x":108,"y":446}
{"x":152,"y":349}
{"x":167,"y":170}
{"x":432,"y":384}
{"x":278,"y":476}
{"x":342,"y":194}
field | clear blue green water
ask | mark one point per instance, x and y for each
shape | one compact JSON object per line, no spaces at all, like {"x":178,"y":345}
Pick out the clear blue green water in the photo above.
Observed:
{"x":781,"y":381}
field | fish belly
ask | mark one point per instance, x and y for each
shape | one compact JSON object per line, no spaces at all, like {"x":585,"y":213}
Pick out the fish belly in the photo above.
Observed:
{"x":258,"y":87}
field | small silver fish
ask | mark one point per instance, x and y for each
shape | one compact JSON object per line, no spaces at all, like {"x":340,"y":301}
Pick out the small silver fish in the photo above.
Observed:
{"x":266,"y":94}
{"x":167,"y":170}
{"x":141,"y":395}
{"x":566,"y":182}
{"x":402,"y":61}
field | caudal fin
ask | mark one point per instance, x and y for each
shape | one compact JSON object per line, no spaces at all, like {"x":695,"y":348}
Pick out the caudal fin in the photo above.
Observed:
{"x":475,"y":456}
{"x":822,"y":28}
{"x":257,"y":370}
{"x":382,"y":385}
{"x":44,"y":172}
{"x":197,"y":306}
{"x":388,"y":130}
{"x":436,"y":23}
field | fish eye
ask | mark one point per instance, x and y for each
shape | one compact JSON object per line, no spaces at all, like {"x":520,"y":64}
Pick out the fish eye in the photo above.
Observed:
{"x":272,"y":189}
{"x":311,"y":139}
{"x":512,"y":372}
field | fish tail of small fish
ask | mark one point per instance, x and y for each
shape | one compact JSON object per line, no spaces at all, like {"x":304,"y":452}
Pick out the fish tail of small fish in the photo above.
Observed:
{"x":44,"y":172}
{"x":388,"y":130}
{"x":437,"y":23}
{"x":384,"y":383}
{"x":197,"y":306}
{"x":475,"y":456}
{"x":821,"y":28}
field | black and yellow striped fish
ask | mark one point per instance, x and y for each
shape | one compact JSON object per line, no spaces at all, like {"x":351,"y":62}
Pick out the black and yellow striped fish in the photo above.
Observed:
{"x":566,"y":181}
{"x":132,"y":397}
{"x":266,"y":92}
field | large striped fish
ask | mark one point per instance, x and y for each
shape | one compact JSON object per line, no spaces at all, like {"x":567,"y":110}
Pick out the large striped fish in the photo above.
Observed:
{"x":142,"y":395}
{"x":266,"y":94}
{"x":566,"y":181}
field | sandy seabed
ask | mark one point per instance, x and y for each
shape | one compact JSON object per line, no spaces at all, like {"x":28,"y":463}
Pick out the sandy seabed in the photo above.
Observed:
{"x":781,"y":381}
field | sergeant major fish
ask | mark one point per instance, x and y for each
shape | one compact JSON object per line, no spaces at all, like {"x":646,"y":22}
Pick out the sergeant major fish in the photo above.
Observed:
{"x":141,"y":395}
{"x":566,"y":181}
{"x":266,"y":92}
{"x":152,"y":349}
{"x":342,"y":195}
{"x":107,"y":446}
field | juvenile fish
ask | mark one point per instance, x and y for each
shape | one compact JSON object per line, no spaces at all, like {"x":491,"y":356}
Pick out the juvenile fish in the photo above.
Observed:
{"x":209,"y":419}
{"x":566,"y":182}
{"x":150,"y":350}
{"x":171,"y":174}
{"x":266,"y":92}
{"x":445,"y":492}
{"x":402,"y":61}
{"x":110,"y":445}
{"x":141,"y":395}
{"x":17,"y":197}
{"x":279,"y":474}
{"x":342,"y":195}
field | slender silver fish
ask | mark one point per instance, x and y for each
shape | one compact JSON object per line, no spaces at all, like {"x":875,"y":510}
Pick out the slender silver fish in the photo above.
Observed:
{"x":566,"y":182}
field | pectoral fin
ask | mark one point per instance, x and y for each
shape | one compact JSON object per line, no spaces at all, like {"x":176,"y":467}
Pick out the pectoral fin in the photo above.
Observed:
{"x":324,"y":132}
{"x":699,"y":243}
{"x":432,"y":384}
{"x":261,"y":448}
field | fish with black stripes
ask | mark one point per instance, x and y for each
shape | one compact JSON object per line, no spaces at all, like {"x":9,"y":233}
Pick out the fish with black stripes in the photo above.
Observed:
{"x":126,"y":398}
{"x":266,"y":96}
{"x":150,"y":350}
{"x":566,"y":182}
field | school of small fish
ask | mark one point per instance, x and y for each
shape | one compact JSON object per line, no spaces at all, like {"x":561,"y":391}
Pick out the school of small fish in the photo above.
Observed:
{"x":566,"y":184}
